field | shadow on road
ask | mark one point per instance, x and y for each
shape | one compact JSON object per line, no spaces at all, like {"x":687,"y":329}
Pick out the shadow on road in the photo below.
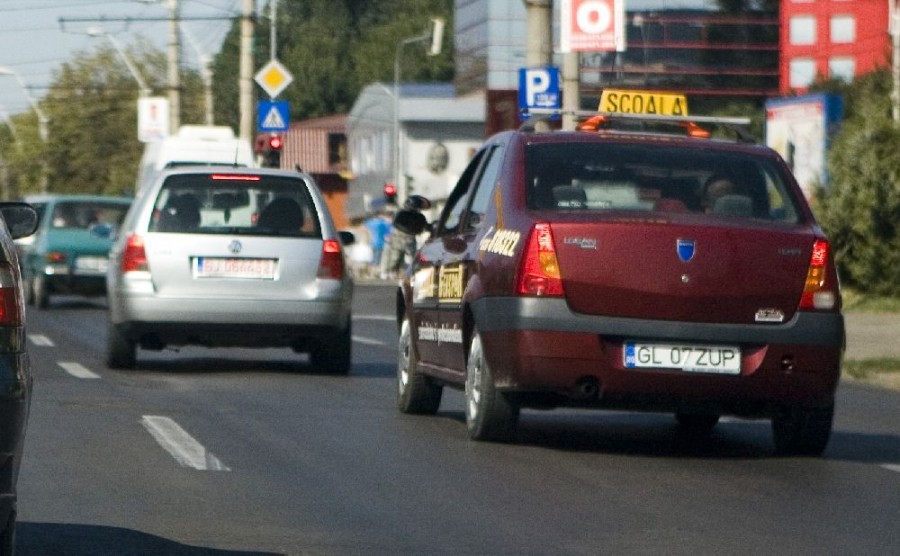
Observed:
{"x":53,"y":539}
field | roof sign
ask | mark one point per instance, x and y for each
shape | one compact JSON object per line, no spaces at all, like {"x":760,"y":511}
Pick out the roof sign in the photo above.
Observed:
{"x":643,"y":102}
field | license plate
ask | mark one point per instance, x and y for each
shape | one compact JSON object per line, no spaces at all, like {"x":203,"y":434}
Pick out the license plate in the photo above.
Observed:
{"x":216,"y":267}
{"x":693,"y":358}
{"x":90,"y":264}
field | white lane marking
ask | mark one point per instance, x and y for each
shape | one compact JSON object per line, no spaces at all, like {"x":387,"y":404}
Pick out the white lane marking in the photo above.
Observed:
{"x":368,"y":341}
{"x":375,"y":317}
{"x":77,"y":370}
{"x":891,"y":467}
{"x":180,"y":445}
{"x":40,"y":340}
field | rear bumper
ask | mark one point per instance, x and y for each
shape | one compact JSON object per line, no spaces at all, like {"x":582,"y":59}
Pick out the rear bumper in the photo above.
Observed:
{"x":84,"y":284}
{"x":155,"y":321}
{"x":539,"y":346}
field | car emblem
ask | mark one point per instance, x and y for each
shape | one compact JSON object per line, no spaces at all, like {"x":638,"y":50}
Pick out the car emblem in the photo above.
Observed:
{"x":686,"y":249}
{"x":235,"y":246}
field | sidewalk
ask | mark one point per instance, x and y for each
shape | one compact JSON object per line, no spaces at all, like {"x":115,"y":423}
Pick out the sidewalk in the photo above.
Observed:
{"x":872,"y":335}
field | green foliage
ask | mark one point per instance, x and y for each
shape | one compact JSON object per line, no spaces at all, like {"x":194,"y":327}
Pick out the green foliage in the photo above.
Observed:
{"x":860,"y":209}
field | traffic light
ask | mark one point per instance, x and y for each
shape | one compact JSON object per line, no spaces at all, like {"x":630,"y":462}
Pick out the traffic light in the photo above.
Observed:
{"x":390,"y":194}
{"x":272,"y":154}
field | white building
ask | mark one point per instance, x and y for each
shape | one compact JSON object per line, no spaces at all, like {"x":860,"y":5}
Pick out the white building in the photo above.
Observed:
{"x":431,"y":140}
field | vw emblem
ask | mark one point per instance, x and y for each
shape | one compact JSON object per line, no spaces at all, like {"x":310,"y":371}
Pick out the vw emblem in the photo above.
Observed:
{"x":235,"y":246}
{"x":686,"y":249}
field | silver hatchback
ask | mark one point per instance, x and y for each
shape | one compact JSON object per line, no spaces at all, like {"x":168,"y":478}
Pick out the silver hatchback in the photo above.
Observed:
{"x":227,"y":257}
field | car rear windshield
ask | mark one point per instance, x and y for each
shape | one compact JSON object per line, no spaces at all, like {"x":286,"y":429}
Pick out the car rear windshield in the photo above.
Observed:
{"x":235,"y":204}
{"x":83,"y":215}
{"x":664,"y":178}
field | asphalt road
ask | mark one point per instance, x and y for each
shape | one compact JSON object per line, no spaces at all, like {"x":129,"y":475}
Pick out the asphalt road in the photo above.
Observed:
{"x":246,"y":452}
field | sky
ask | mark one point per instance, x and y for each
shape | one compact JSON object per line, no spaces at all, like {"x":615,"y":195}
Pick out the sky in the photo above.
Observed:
{"x":34,"y":44}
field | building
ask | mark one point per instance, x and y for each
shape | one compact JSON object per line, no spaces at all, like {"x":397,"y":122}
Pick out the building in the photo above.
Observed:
{"x":832,"y":39}
{"x":421,"y":143}
{"x":318,"y":146}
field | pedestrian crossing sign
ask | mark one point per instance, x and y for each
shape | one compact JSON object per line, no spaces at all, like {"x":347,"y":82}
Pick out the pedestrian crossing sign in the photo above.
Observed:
{"x":273,"y":116}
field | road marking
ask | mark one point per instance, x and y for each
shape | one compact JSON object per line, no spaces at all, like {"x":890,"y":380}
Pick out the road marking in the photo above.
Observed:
{"x":40,"y":340}
{"x":368,"y":341}
{"x":375,"y":317}
{"x":180,"y":445}
{"x":891,"y":467}
{"x":77,"y":370}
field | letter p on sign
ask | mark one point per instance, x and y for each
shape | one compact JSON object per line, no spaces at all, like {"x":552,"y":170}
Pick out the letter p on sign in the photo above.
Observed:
{"x":592,"y":25}
{"x":538,"y":88}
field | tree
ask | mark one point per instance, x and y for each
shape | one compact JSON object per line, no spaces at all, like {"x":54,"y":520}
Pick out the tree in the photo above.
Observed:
{"x":860,"y":209}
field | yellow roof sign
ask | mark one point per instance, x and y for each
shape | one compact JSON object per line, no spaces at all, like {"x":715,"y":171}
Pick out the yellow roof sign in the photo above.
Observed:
{"x":643,"y":102}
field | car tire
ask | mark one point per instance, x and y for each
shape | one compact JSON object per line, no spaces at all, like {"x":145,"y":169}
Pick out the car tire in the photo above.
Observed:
{"x":416,"y":393}
{"x":490,"y":414}
{"x":697,"y":423}
{"x":121,"y":353}
{"x":333,"y":355}
{"x":39,"y":292}
{"x":800,"y":431}
{"x":8,"y":536}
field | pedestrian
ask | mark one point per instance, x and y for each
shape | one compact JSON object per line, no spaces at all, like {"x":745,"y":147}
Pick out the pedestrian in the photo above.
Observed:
{"x":379,"y":228}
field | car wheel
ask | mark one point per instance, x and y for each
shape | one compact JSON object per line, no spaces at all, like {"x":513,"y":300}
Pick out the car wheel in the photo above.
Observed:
{"x":39,"y":292}
{"x":8,"y":537}
{"x":490,"y":415}
{"x":416,"y":393}
{"x":333,"y":354}
{"x":697,"y":423}
{"x":800,"y":431}
{"x":121,"y":353}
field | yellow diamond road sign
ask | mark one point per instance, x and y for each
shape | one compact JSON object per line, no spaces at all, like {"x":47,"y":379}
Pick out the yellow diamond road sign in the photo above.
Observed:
{"x":273,"y":78}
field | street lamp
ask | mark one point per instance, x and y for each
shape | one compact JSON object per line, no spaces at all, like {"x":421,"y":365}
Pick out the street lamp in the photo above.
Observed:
{"x":43,"y":122}
{"x":98,"y":32}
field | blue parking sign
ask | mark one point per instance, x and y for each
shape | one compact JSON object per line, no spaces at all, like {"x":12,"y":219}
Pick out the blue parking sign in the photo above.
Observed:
{"x":273,"y":115}
{"x":539,"y":88}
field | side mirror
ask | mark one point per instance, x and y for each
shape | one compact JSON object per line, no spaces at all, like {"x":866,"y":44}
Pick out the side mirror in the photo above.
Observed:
{"x":21,"y":219}
{"x":347,"y":237}
{"x":410,"y":222}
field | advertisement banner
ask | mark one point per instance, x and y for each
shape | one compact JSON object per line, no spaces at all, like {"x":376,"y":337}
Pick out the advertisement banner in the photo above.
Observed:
{"x":592,"y":25}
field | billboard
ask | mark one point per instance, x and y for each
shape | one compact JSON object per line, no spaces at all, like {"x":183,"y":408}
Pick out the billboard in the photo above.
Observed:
{"x":799,"y":129}
{"x":592,"y":25}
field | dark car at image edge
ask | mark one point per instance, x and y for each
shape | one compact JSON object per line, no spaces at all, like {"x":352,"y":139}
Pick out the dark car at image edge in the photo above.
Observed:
{"x":605,"y":268}
{"x":20,"y":220}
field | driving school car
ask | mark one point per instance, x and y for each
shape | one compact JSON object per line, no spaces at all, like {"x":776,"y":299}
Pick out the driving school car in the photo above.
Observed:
{"x":594,"y":268}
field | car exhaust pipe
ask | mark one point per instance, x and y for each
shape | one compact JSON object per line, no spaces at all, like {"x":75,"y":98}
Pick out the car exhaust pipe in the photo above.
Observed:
{"x":587,"y":387}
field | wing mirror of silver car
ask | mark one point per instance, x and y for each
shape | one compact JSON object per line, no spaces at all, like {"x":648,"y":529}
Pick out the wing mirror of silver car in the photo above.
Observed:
{"x":347,"y":237}
{"x":21,"y":219}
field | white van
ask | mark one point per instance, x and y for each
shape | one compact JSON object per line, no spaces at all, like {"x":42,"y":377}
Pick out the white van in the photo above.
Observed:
{"x":194,"y":145}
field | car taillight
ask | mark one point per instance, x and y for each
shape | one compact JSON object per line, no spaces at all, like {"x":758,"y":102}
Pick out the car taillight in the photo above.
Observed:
{"x":10,"y":301}
{"x":134,"y":258}
{"x":332,"y":265}
{"x":815,"y":293}
{"x":55,"y":257}
{"x":539,"y":269}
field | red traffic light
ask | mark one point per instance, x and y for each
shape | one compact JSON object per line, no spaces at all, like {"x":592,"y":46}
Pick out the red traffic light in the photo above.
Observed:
{"x":390,"y":189}
{"x":275,"y":143}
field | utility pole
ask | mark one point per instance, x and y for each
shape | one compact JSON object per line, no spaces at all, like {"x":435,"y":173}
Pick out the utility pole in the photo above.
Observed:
{"x":173,"y":62}
{"x":245,"y":83}
{"x":539,"y":30}
{"x":895,"y":60}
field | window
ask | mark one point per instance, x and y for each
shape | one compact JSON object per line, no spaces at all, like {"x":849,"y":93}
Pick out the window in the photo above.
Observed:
{"x":456,"y":203}
{"x":843,"y":29}
{"x":842,"y":67}
{"x":337,"y":148}
{"x":803,"y":30}
{"x":803,"y":72}
{"x":485,"y":186}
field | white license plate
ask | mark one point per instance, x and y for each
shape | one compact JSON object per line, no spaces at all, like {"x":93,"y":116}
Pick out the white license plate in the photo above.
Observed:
{"x":694,"y":358}
{"x":216,"y":267}
{"x":91,"y":264}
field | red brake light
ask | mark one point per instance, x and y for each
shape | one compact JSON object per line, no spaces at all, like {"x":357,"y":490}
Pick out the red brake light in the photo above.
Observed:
{"x":134,"y":258}
{"x":10,"y":301}
{"x":234,"y":177}
{"x":539,"y":269}
{"x":815,"y":294}
{"x":55,"y":257}
{"x":332,"y":265}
